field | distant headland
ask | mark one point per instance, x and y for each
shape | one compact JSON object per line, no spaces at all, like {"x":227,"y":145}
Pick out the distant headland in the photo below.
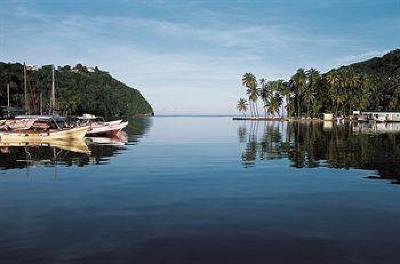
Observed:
{"x":79,"y":89}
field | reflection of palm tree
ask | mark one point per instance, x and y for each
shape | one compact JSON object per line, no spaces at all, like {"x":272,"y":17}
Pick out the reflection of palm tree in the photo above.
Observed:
{"x":242,"y":132}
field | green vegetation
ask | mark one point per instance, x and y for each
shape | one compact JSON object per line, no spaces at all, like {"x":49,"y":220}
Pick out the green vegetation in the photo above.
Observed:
{"x":372,"y":85}
{"x":78,"y":90}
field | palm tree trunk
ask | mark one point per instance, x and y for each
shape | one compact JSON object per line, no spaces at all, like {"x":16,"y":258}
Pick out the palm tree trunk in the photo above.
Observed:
{"x":287,"y":105}
{"x":256,"y":108}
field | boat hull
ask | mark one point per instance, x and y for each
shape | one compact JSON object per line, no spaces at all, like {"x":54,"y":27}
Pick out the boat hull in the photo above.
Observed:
{"x":77,"y":133}
{"x":108,"y":130}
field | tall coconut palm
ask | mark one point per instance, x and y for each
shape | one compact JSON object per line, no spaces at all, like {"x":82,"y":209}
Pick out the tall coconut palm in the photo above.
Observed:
{"x":298,"y":82}
{"x":249,"y":80}
{"x":265,"y":94}
{"x":333,"y":81}
{"x":281,"y":88}
{"x":242,"y":106}
{"x":313,"y":81}
{"x":284,"y":90}
{"x":253,"y":94}
{"x":275,"y":104}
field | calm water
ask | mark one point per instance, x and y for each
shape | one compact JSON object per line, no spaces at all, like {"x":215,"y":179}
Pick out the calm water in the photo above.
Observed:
{"x":206,"y":190}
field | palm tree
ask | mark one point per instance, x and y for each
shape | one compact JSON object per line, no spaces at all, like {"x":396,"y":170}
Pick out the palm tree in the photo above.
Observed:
{"x":249,"y":80}
{"x":298,"y":82}
{"x":313,"y":81}
{"x":275,"y":104}
{"x":333,"y":81}
{"x":253,"y":93}
{"x":265,"y":94}
{"x":242,"y":106}
{"x":282,"y":88}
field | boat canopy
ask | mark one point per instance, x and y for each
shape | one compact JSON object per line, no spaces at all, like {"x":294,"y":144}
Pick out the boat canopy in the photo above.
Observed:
{"x":41,"y":117}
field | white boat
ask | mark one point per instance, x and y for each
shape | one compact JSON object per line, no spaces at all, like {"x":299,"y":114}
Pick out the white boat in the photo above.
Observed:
{"x":100,"y":127}
{"x":39,"y":129}
{"x":362,"y":118}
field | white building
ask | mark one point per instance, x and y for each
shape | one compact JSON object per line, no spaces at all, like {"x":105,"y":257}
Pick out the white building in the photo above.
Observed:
{"x":383,"y":116}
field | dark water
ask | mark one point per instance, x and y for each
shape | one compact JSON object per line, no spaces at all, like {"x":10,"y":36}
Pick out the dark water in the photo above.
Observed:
{"x":206,"y":190}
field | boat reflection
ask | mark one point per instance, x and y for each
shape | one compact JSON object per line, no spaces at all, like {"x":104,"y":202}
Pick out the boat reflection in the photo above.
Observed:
{"x":376,"y":127}
{"x":373,"y":147}
{"x":116,"y":140}
{"x":76,"y":145}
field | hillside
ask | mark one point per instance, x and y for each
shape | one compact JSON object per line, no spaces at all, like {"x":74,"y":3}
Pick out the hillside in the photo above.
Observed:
{"x":78,"y":90}
{"x":386,"y":66}
{"x":371,"y":85}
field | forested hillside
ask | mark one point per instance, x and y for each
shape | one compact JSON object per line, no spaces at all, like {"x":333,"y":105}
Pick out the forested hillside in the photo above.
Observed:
{"x":372,"y":85}
{"x":78,"y":90}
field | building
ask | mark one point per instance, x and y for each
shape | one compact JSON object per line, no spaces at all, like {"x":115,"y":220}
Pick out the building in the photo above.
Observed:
{"x":327,"y":117}
{"x":382,"y":116}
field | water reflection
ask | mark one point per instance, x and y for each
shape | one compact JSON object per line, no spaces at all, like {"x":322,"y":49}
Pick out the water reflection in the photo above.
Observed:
{"x":313,"y":144}
{"x":91,"y":151}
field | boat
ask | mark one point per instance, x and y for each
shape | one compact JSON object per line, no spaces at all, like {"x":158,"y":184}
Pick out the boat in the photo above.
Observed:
{"x":362,"y":118}
{"x":39,"y":129}
{"x":98,"y":126}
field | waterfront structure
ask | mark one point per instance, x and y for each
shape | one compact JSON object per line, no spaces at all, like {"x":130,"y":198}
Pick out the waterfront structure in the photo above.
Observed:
{"x":382,"y":116}
{"x":328,"y":116}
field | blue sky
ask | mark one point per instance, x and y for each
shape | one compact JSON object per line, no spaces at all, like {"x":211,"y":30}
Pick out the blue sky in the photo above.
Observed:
{"x":187,"y":57}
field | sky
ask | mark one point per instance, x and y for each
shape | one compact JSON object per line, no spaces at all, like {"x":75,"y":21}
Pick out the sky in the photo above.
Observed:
{"x":187,"y":57}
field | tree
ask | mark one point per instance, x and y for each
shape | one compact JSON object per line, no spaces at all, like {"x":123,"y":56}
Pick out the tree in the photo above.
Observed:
{"x":265,"y":94}
{"x":249,"y":80}
{"x":298,"y":82}
{"x":282,"y":88}
{"x":242,"y":106}
{"x":371,"y":85}
{"x":275,"y":104}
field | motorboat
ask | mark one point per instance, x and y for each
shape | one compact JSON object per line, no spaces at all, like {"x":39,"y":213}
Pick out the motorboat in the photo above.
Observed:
{"x":39,"y":129}
{"x":362,"y":118}
{"x":98,"y":126}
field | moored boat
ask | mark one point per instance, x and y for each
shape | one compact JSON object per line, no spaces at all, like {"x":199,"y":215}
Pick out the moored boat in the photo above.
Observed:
{"x":100,"y":127}
{"x":362,"y":118}
{"x":39,"y":129}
